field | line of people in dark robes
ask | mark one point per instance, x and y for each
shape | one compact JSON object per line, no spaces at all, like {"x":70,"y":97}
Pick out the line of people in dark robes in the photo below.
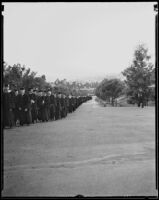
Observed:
{"x":34,"y":106}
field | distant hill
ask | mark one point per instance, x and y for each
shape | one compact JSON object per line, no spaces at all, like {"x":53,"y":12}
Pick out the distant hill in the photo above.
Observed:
{"x":98,"y":78}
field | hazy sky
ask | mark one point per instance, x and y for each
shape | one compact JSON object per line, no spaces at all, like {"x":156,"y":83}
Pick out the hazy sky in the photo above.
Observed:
{"x":73,"y":40}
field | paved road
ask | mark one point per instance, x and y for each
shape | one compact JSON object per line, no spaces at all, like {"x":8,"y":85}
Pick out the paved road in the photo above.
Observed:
{"x":95,"y":151}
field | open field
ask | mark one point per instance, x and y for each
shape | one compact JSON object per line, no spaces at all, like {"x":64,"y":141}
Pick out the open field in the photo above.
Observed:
{"x":95,"y":151}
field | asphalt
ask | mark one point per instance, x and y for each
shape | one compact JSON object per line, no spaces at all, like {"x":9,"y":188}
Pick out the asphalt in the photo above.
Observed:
{"x":95,"y":151}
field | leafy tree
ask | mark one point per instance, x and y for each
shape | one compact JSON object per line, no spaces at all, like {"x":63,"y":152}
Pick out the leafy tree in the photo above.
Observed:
{"x":13,"y":75}
{"x":138,"y":75}
{"x":20,"y":76}
{"x":110,"y":89}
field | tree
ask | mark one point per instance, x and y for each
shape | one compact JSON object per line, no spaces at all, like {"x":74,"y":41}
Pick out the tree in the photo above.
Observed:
{"x":13,"y":75}
{"x":110,"y":89}
{"x":19,"y":76}
{"x":138,"y":75}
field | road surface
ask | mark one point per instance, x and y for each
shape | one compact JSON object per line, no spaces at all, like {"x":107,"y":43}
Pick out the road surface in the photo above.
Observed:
{"x":95,"y":151}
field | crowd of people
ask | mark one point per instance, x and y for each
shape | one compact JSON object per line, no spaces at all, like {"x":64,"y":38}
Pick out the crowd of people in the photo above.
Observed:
{"x":22,"y":107}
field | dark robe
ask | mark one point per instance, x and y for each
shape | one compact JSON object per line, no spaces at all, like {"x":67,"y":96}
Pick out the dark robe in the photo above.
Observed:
{"x":62,"y":102}
{"x":24,"y":103}
{"x":66,"y":106}
{"x":47,"y":107}
{"x":70,"y":105}
{"x":52,"y":107}
{"x":39,"y":107}
{"x":34,"y":110}
{"x":42,"y":108}
{"x":57,"y":108}
{"x":44,"y":114}
{"x":16,"y":110}
{"x":8,"y":109}
{"x":73,"y":103}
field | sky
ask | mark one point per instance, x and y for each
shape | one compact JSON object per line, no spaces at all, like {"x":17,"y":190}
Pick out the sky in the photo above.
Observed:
{"x":76,"y":40}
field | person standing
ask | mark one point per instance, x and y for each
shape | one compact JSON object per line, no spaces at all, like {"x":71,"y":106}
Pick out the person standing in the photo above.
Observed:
{"x":24,"y":108}
{"x":34,"y":107}
{"x":62,"y":102}
{"x":73,"y":103}
{"x":70,"y":104}
{"x":52,"y":106}
{"x":141,"y":99}
{"x":33,"y":101}
{"x":39,"y":105}
{"x":58,"y":106}
{"x":30,"y":94}
{"x":66,"y":104}
{"x":44,"y":113}
{"x":8,"y":107}
{"x":16,"y":112}
{"x":48,"y":104}
{"x":57,"y":112}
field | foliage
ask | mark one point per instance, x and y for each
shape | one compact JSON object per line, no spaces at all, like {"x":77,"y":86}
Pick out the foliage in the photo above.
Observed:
{"x":138,"y":75}
{"x":19,"y":76}
{"x":110,"y":89}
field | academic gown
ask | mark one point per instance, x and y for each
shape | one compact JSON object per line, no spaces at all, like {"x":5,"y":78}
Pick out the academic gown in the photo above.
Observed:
{"x":8,"y":109}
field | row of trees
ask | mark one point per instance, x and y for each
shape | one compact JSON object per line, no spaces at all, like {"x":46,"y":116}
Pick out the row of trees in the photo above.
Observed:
{"x":139,"y":77}
{"x":20,"y":76}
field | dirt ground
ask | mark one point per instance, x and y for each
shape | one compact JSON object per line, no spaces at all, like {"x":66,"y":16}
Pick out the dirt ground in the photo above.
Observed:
{"x":95,"y":151}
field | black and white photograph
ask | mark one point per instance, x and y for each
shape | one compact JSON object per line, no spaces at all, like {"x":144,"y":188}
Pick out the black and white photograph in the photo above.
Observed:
{"x":79,"y":99}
